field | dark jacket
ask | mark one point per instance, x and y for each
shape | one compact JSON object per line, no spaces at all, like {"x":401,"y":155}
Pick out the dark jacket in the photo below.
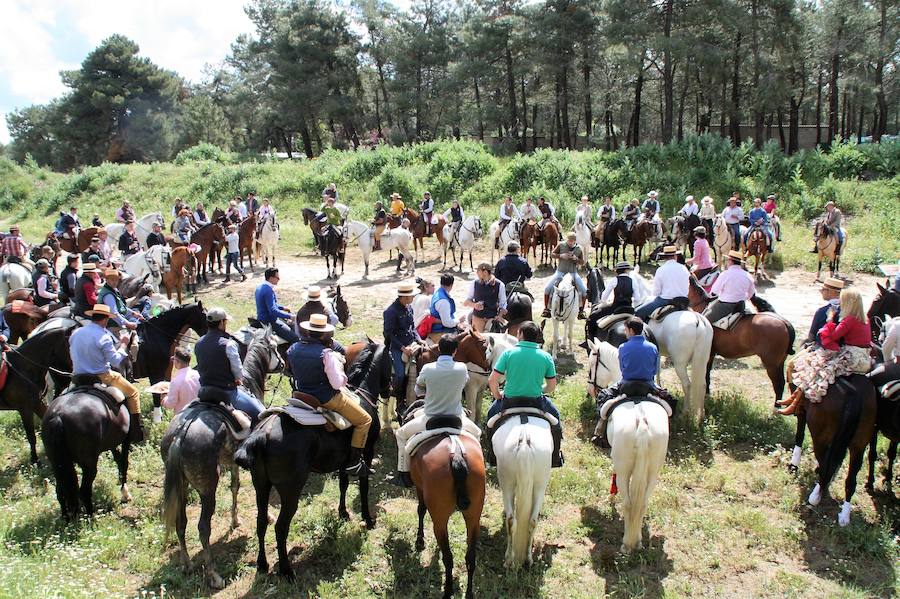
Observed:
{"x":511,"y":267}
{"x":399,"y":327}
{"x":129,"y":244}
{"x":155,"y":239}
{"x":624,"y":291}
{"x":212,"y":361}
{"x":489,"y":295}
{"x":308,"y":369}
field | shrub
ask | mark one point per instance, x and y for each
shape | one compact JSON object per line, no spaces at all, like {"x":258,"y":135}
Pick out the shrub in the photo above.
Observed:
{"x":392,"y":180}
{"x":456,"y":167}
{"x":846,"y":161}
{"x":203,"y":151}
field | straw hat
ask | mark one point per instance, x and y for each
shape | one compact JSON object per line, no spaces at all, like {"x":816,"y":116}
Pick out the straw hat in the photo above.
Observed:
{"x":406,"y":289}
{"x":111,"y":272}
{"x":669,"y":251}
{"x":89,"y":267}
{"x":161,"y":387}
{"x":317,"y":323}
{"x":396,"y":196}
{"x":707,"y":200}
{"x":102,"y":309}
{"x":700,"y":229}
{"x":735,"y":255}
{"x":623,"y":266}
{"x":313,"y":292}
{"x":652,"y":194}
{"x":833,"y":284}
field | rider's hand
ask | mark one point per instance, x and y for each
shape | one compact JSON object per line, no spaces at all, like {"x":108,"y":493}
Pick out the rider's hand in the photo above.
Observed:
{"x":124,"y":338}
{"x":479,"y":305}
{"x":130,"y":326}
{"x":407,"y":350}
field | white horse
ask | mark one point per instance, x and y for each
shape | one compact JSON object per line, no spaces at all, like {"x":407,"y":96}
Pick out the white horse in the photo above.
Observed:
{"x":400,"y":238}
{"x":267,"y":240}
{"x":583,"y":235}
{"x":563,"y":311}
{"x":142,"y":228}
{"x":524,"y":452}
{"x":469,"y":231}
{"x":510,"y":233}
{"x":13,"y":276}
{"x":686,"y":337}
{"x":639,"y":437}
{"x":495,"y":346}
{"x":154,"y":262}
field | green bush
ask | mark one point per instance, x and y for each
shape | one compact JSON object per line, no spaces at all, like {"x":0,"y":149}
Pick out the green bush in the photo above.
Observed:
{"x":203,"y":151}
{"x":393,"y":180}
{"x":847,"y":161}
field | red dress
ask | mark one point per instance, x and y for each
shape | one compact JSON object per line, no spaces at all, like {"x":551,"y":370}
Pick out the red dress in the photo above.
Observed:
{"x":850,"y":330}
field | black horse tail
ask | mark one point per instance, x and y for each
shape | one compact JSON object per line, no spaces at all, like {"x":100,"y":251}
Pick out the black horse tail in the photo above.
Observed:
{"x":792,"y":335}
{"x":761,"y":304}
{"x":840,"y":443}
{"x":246,"y":453}
{"x":459,"y":468}
{"x":174,"y":488}
{"x":53,"y":434}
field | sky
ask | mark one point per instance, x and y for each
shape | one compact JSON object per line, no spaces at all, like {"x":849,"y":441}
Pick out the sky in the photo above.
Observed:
{"x":40,"y":38}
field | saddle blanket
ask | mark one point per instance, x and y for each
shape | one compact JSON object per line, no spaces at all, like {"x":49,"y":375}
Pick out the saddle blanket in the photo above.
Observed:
{"x":607,"y":321}
{"x":301,"y":415}
{"x":492,"y":422}
{"x":729,"y":321}
{"x":417,"y":440}
{"x":236,"y":421}
{"x":613,"y":403}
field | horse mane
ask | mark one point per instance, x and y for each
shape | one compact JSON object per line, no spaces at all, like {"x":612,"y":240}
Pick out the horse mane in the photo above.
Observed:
{"x":255,"y":367}
{"x":363,"y":362}
{"x":696,"y":286}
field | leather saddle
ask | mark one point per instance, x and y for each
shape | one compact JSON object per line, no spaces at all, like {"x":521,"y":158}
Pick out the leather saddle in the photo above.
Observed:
{"x":635,"y":392}
{"x":334,"y":421}
{"x":90,"y":384}
{"x":728,"y":322}
{"x":678,"y":304}
{"x":523,"y":407}
{"x":217,"y":400}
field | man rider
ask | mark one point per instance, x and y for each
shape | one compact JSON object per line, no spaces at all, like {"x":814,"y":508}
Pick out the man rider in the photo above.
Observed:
{"x":379,"y":221}
{"x":400,"y":332}
{"x":569,"y":257}
{"x":831,"y":219}
{"x":512,"y":266}
{"x":85,"y":290}
{"x":443,"y":307}
{"x":443,"y":383}
{"x":219,"y":364}
{"x":760,"y":218}
{"x":69,"y":223}
{"x":397,"y":205}
{"x":530,"y":374}
{"x":732,"y":289}
{"x":67,"y":278}
{"x":156,"y":237}
{"x":426,"y":206}
{"x":650,"y":207}
{"x":128,"y":241}
{"x":606,"y":213}
{"x":670,"y":284}
{"x":315,"y":305}
{"x":630,"y":213}
{"x":269,"y":311}
{"x":529,"y":211}
{"x":625,"y":291}
{"x":690,"y":207}
{"x":43,"y":284}
{"x":14,"y":248}
{"x":508,"y":212}
{"x":121,"y":314}
{"x":486,"y":296}
{"x":94,"y":351}
{"x":548,"y":214}
{"x":732,"y":214}
{"x":455,"y":216}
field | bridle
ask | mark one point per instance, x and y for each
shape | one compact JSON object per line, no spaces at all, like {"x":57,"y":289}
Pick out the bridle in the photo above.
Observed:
{"x":565,"y":308}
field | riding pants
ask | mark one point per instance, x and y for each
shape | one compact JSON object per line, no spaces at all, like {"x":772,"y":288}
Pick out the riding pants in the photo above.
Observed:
{"x":284,"y":331}
{"x":350,"y":409}
{"x":646,"y":309}
{"x":546,"y":406}
{"x":417,"y":425}
{"x":399,"y":370}
{"x":735,"y":234}
{"x":132,"y":395}
{"x":243,"y":401}
{"x":576,"y":279}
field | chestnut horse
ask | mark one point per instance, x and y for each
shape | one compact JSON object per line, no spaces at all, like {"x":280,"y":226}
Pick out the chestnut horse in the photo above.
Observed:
{"x":418,"y":231}
{"x":76,"y":246}
{"x":529,"y":239}
{"x":764,"y":334}
{"x":758,"y":246}
{"x":210,"y":238}
{"x":827,"y":248}
{"x":184,"y":266}
{"x":247,"y":239}
{"x":637,"y":238}
{"x":549,"y":239}
{"x":448,"y":473}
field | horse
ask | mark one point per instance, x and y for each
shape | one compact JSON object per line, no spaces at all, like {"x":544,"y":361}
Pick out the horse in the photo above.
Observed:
{"x":887,"y":420}
{"x":418,"y":231}
{"x":885,"y":305}
{"x":309,"y":219}
{"x":564,"y":311}
{"x":518,"y":309}
{"x":13,"y":276}
{"x":583,"y":235}
{"x":595,"y":285}
{"x":764,"y":334}
{"x":550,"y":238}
{"x":197,"y":444}
{"x":142,"y":228}
{"x":524,"y":450}
{"x":268,"y":240}
{"x":827,"y":248}
{"x":208,"y":238}
{"x":247,"y":239}
{"x":613,"y":234}
{"x":843,"y":421}
{"x":723,"y":240}
{"x":28,"y":364}
{"x":51,"y":241}
{"x":449,"y":474}
{"x":480,"y":352}
{"x":398,"y":238}
{"x":183,"y":265}
{"x":333,"y":248}
{"x":469,"y":231}
{"x":640,"y":233}
{"x":151,"y":264}
{"x":21,"y":314}
{"x":758,"y":246}
{"x":682,"y":228}
{"x":79,"y":243}
{"x":528,"y":239}
{"x":510,"y":233}
{"x":281,"y":453}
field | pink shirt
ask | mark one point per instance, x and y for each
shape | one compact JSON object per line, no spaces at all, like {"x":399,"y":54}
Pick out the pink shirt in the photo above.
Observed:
{"x":334,"y":369}
{"x":702,"y":258}
{"x":182,"y":390}
{"x":734,"y":285}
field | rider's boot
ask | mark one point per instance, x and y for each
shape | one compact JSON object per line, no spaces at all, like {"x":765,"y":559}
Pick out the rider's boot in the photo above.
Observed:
{"x":558,"y":459}
{"x":356,"y":465}
{"x":599,"y":438}
{"x":546,"y":312}
{"x":581,"y":315}
{"x":135,"y":429}
{"x":402,"y":479}
{"x":377,"y":245}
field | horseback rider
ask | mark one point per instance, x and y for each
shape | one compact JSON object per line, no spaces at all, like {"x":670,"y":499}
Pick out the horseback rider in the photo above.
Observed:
{"x":639,"y":363}
{"x":252,"y":203}
{"x":630,"y":213}
{"x":831,"y":218}
{"x":69,"y":224}
{"x":707,"y":213}
{"x":183,"y":227}
{"x":606,"y":213}
{"x":670,"y":284}
{"x":512,"y":266}
{"x":269,"y":311}
{"x":455,"y":216}
{"x":770,"y":207}
{"x":486,"y":296}
{"x":267,"y":210}
{"x":177,"y":207}
{"x":690,"y":207}
{"x":44,"y":284}
{"x":86,"y":287}
{"x":200,"y":216}
{"x":95,"y":351}
{"x":315,"y":305}
{"x":760,"y":218}
{"x":14,"y":248}
{"x":332,"y":216}
{"x":67,"y":279}
{"x":156,"y":237}
{"x":732,"y":214}
{"x":219,"y":364}
{"x":93,"y":250}
{"x":379,"y":222}
{"x":397,"y":207}
{"x":443,"y":307}
{"x":331,"y":191}
{"x":508,"y":212}
{"x":732,"y":288}
{"x":121,"y":314}
{"x":626,"y":292}
{"x":443,"y":383}
{"x":530,"y":375}
{"x":831,"y":293}
{"x":529,"y":211}
{"x":585,"y":211}
{"x":426,"y":207}
{"x":548,"y":214}
{"x":125,"y":213}
{"x":233,"y":213}
{"x":702,"y":258}
{"x":569,"y":257}
{"x":96,"y":222}
{"x":650,"y":209}
{"x":400,"y":332}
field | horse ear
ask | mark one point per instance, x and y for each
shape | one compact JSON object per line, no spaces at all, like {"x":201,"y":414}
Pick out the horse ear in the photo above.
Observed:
{"x":337,"y":290}
{"x":592,"y":346}
{"x":880,"y":288}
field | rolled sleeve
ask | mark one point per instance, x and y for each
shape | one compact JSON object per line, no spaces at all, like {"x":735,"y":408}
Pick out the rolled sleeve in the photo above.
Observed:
{"x":234,"y":359}
{"x":334,"y":369}
{"x":443,"y":309}
{"x":110,"y":353}
{"x":502,"y":297}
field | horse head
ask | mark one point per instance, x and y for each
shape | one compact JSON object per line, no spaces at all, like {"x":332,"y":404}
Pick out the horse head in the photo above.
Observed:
{"x":603,"y":365}
{"x":885,"y":306}
{"x":475,"y":348}
{"x":342,"y":308}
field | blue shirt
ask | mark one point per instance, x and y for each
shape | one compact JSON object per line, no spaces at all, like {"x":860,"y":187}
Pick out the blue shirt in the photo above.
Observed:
{"x":758,"y":214}
{"x":94,"y":350}
{"x":638,"y":359}
{"x":267,"y":308}
{"x":820,"y":318}
{"x":399,"y":325}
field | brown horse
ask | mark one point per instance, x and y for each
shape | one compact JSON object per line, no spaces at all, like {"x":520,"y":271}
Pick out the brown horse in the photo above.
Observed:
{"x":184,"y":266}
{"x":21,"y":314}
{"x":76,"y":246}
{"x":247,"y":239}
{"x":827,"y":247}
{"x":549,"y":240}
{"x":529,"y":239}
{"x":418,"y":230}
{"x":758,"y":246}
{"x":637,"y":238}
{"x":764,"y":334}
{"x":210,"y":238}
{"x":51,"y":241}
{"x":448,"y":473}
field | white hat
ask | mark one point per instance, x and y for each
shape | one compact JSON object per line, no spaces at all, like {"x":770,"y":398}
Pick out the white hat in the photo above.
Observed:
{"x":707,"y":200}
{"x":317,"y":323}
{"x":217,"y":315}
{"x":313,"y":292}
{"x":689,"y":199}
{"x":406,"y":289}
{"x":652,"y":194}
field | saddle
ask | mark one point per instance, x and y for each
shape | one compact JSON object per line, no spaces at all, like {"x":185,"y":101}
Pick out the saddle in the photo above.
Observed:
{"x":209,"y":398}
{"x":524,"y":406}
{"x":245,"y":335}
{"x":332,"y":420}
{"x":608,"y":321}
{"x":90,"y":384}
{"x":727,"y":322}
{"x":437,"y":427}
{"x":631,"y":395}
{"x":678,"y":304}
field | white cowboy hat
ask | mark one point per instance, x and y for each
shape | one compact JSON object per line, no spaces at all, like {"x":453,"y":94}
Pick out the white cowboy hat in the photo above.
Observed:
{"x":707,"y":200}
{"x":313,"y":292}
{"x":406,"y":290}
{"x":652,"y":194}
{"x":317,"y":323}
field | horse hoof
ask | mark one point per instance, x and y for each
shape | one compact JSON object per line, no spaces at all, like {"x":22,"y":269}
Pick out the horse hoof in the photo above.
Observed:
{"x":262,"y":566}
{"x":792,"y":469}
{"x":215,"y":581}
{"x":370,"y":523}
{"x":420,"y":544}
{"x":287,"y":573}
{"x":236,"y":523}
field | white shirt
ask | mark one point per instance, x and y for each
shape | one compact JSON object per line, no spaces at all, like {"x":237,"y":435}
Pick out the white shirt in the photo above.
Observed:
{"x":672,"y":280}
{"x":443,"y":309}
{"x":515,"y":212}
{"x":233,"y":240}
{"x":530,"y":211}
{"x":690,"y":208}
{"x":612,"y":213}
{"x":265,"y":210}
{"x":421,"y":307}
{"x":462,"y":214}
{"x":891,"y":346}
{"x":242,"y":209}
{"x":501,"y":298}
{"x":708,"y":211}
{"x":733,"y":215}
{"x":639,"y":289}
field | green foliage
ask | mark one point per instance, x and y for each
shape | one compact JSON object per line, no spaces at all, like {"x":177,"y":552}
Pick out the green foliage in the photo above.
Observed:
{"x":203,"y":151}
{"x":847,"y":161}
{"x":393,"y":179}
{"x":15,"y":186}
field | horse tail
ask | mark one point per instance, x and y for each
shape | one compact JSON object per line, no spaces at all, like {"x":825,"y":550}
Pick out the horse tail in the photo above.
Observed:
{"x":246,"y":453}
{"x":459,"y":468}
{"x":792,"y":335}
{"x":174,"y":488}
{"x":639,"y":482}
{"x":526,"y":465}
{"x":53,"y":433}
{"x":761,"y":304}
{"x":840,"y":443}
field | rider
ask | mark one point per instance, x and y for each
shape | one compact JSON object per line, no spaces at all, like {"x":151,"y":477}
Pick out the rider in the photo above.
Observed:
{"x":548,"y":214}
{"x":626,"y":291}
{"x":332,"y":216}
{"x":219,"y":364}
{"x":530,"y":374}
{"x":128,"y":241}
{"x":690,"y":207}
{"x":400,"y":332}
{"x":443,"y":383}
{"x":379,"y":222}
{"x":585,"y":210}
{"x":508,"y":212}
{"x":639,"y":363}
{"x":156,"y":237}
{"x":670,"y":284}
{"x":269,"y":311}
{"x":96,"y":222}
{"x":86,"y":287}
{"x":732,"y":214}
{"x":702,"y":258}
{"x":650,"y":208}
{"x":831,"y":219}
{"x":455,"y":216}
{"x":318,"y":371}
{"x":125,"y":213}
{"x":397,"y":207}
{"x":67,"y":278}
{"x":421,"y":305}
{"x":177,"y":207}
{"x":183,"y":226}
{"x":831,"y":293}
{"x":630,"y":213}
{"x":606,"y":213}
{"x":14,"y":248}
{"x":569,"y":256}
{"x":252,"y":203}
{"x":200,"y":216}
{"x":760,"y":218}
{"x":122,"y":315}
{"x":486,"y":296}
{"x":331,"y":191}
{"x":707,"y":213}
{"x":443,"y":307}
{"x":315,"y":305}
{"x":512,"y":266}
{"x":69,"y":223}
{"x":267,"y":210}
{"x":44,"y":284}
{"x":770,"y":207}
{"x":94,"y":351}
{"x":426,"y":206}
{"x":529,"y":211}
{"x":92,"y":250}
{"x":731,"y":289}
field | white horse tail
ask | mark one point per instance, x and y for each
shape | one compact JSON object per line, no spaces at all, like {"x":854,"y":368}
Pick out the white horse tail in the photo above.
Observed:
{"x":702,"y":350}
{"x":639,"y":486}
{"x":525,"y":463}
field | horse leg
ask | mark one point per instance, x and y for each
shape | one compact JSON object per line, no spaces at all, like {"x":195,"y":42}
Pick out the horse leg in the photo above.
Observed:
{"x":472,"y":518}
{"x":799,"y":435}
{"x":420,"y":534}
{"x":263,"y":489}
{"x":892,"y":455}
{"x":776,"y":375}
{"x":204,"y":527}
{"x":121,"y":458}
{"x":343,"y":483}
{"x":442,"y":536}
{"x":873,"y":450}
{"x":856,"y":460}
{"x":86,"y":491}
{"x":28,"y":423}
{"x":235,"y":488}
{"x":289,"y":498}
{"x":364,"y":500}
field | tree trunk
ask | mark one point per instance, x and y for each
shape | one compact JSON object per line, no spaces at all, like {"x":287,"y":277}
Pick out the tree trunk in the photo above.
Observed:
{"x":862,"y":116}
{"x":418,"y":102}
{"x":586,"y":76}
{"x":781,"y":129}
{"x":758,"y":115}
{"x":523,"y":141}
{"x":534,"y":115}
{"x":511,"y":90}
{"x":724,"y":109}
{"x":478,"y":110}
{"x":734,"y":116}
{"x":383,"y":85}
{"x":378,"y":114}
{"x":557,"y":121}
{"x":819,"y":110}
{"x":833,"y":87}
{"x":794,"y":126}
{"x":634,"y":125}
{"x":307,"y":141}
{"x":668,"y":74}
{"x":880,"y":125}
{"x":684,"y":84}
{"x":567,"y":133}
{"x":843,"y":117}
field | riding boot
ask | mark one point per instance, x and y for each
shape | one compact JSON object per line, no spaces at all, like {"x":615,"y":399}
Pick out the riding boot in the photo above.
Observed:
{"x":402,"y":479}
{"x":546,"y":312}
{"x":497,"y":242}
{"x":356,"y":465}
{"x":581,"y":315}
{"x":489,"y":456}
{"x":135,"y":430}
{"x":837,"y":248}
{"x":815,"y":250}
{"x":599,"y":438}
{"x":558,"y":459}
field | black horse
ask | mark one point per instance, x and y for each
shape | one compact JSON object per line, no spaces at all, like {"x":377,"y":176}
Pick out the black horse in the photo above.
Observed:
{"x":613,"y":235}
{"x":333,"y":248}
{"x":518,"y":309}
{"x":282,"y":453}
{"x":887,"y":421}
{"x":46,"y":350}
{"x":886,"y":305}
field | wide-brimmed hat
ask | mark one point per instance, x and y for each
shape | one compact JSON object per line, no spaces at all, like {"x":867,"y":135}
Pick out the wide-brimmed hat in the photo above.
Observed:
{"x":700,"y":229}
{"x":669,"y":251}
{"x":184,"y":211}
{"x":707,"y":200}
{"x":689,"y":199}
{"x":14,"y":228}
{"x":217,"y":315}
{"x":652,"y":194}
{"x":771,"y":196}
{"x":100,"y":309}
{"x":833,"y":284}
{"x":735,"y":255}
{"x":396,"y":196}
{"x":313,"y":292}
{"x":89,"y":267}
{"x":623,"y":266}
{"x":317,"y":323}
{"x":111,"y":272}
{"x":829,"y":203}
{"x":406,"y":289}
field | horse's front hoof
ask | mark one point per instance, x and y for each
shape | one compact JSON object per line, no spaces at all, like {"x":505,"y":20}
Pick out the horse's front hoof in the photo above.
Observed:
{"x":215,"y":581}
{"x":262,"y":565}
{"x":420,"y":544}
{"x":286,"y":572}
{"x":343,"y":514}
{"x":370,"y":523}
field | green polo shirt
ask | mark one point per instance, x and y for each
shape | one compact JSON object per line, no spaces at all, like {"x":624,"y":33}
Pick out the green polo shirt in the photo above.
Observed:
{"x":526,"y":367}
